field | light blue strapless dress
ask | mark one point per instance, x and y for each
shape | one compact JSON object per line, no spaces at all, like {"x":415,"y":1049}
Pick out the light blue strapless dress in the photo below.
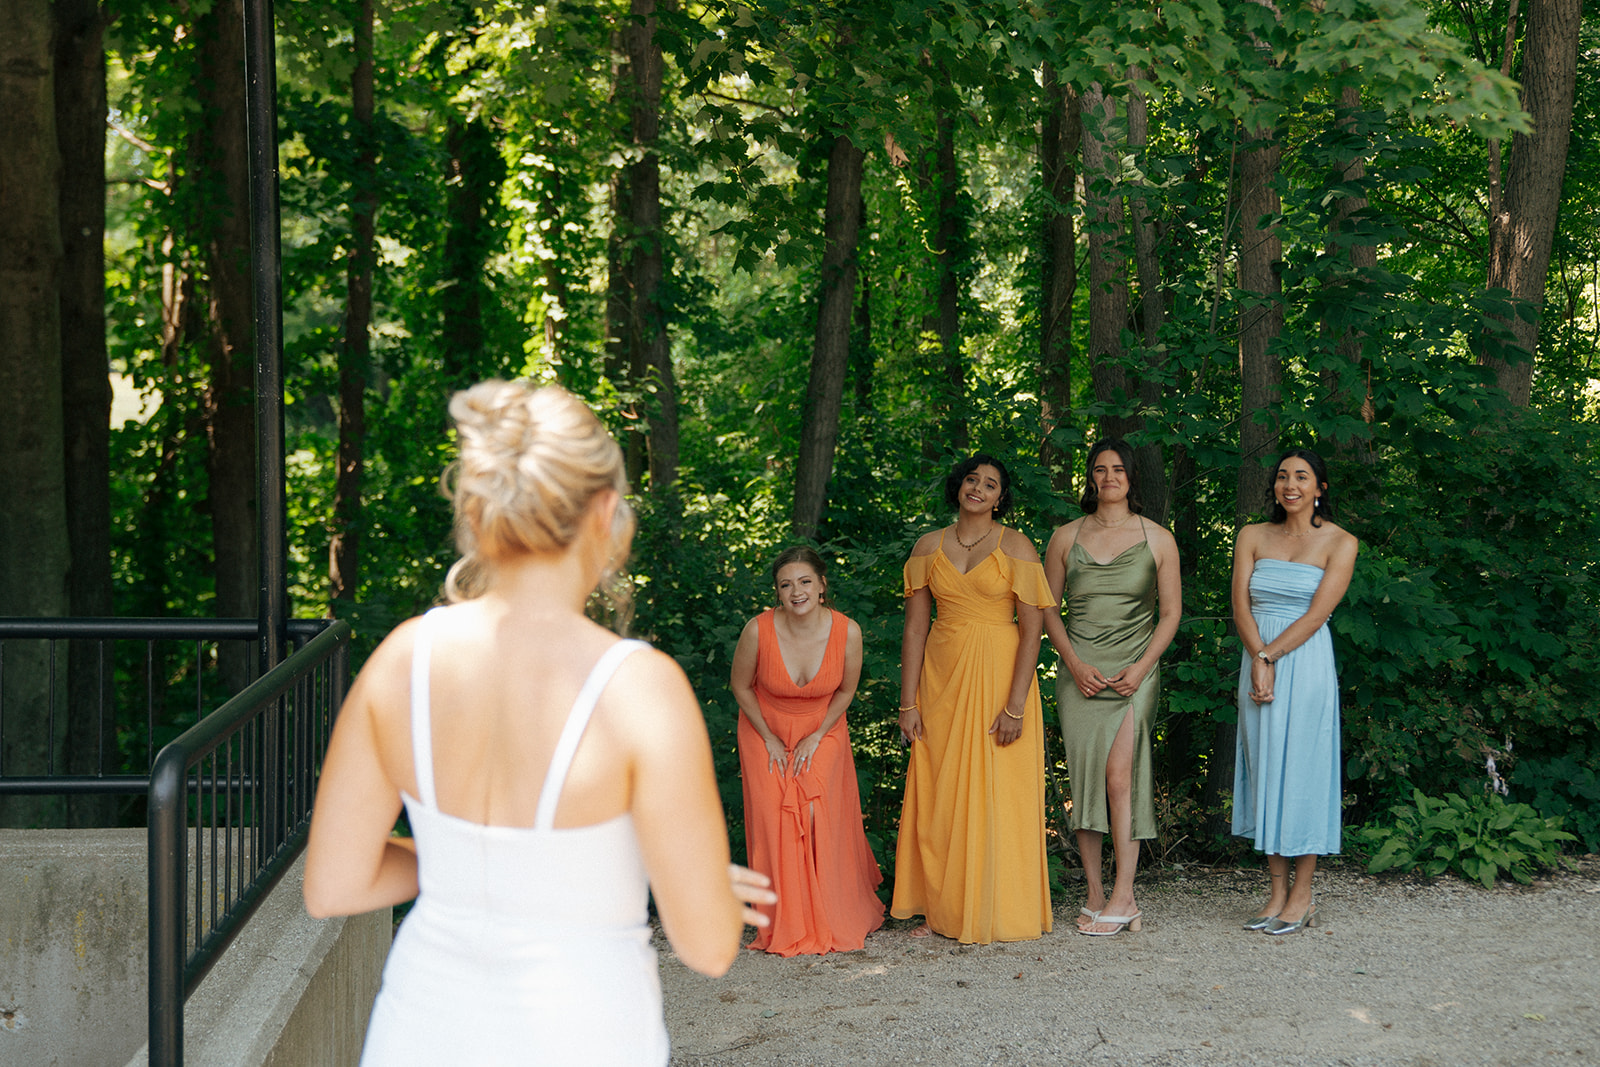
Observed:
{"x":1286,"y":772}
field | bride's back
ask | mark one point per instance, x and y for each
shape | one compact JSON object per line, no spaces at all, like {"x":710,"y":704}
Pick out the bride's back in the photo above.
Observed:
{"x":502,"y":683}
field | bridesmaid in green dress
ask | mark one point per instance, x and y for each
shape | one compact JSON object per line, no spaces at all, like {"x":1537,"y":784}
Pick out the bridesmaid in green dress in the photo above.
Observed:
{"x":1110,"y":572}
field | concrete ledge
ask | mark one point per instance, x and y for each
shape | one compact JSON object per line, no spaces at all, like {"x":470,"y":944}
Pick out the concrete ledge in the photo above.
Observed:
{"x":73,"y":924}
{"x":290,"y":991}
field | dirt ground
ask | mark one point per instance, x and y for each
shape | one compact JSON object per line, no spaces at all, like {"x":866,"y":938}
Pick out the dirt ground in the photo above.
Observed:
{"x":1400,"y":971}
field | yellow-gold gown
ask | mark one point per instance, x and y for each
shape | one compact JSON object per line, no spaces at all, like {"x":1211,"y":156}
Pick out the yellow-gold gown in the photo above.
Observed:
{"x":970,"y":857}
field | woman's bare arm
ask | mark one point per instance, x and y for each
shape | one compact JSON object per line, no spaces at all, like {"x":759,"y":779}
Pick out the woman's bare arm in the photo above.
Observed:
{"x":1169,"y":607}
{"x":913,"y":641}
{"x":1336,"y":574}
{"x":742,"y":680}
{"x":677,"y":811}
{"x":353,"y":864}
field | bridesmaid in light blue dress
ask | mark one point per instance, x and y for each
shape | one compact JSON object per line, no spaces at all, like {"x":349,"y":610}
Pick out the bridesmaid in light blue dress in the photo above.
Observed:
{"x":1288,"y":575}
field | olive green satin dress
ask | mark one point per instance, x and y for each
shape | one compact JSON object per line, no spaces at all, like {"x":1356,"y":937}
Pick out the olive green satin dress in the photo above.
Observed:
{"x":1110,"y":613}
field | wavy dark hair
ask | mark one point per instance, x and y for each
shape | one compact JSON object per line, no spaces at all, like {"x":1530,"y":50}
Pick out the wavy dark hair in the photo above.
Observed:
{"x":958,"y":474}
{"x":811,"y":558}
{"x":1322,"y":509}
{"x":1090,"y":501}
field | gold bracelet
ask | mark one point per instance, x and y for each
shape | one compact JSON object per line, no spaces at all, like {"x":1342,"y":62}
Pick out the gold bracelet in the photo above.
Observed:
{"x":1008,"y":714}
{"x":909,"y":707}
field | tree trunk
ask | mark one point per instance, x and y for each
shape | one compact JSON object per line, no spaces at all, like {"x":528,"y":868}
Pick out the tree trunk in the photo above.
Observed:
{"x":1184,"y":520}
{"x":863,"y":358}
{"x":474,"y":171}
{"x":1520,"y":235}
{"x":34,"y":549}
{"x":1261,"y":321}
{"x":1342,"y":380}
{"x":948,"y":242}
{"x":80,"y":83}
{"x":830,"y":354}
{"x":221,"y":226}
{"x":1108,"y":283}
{"x":558,"y":300}
{"x":1154,"y":491}
{"x":355,"y":357}
{"x":621,"y":370}
{"x":619,"y":363}
{"x":1058,"y":151}
{"x":649,"y":344}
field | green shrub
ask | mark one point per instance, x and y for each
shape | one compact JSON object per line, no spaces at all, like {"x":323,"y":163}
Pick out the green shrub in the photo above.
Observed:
{"x":1567,"y":788}
{"x":1479,"y":838}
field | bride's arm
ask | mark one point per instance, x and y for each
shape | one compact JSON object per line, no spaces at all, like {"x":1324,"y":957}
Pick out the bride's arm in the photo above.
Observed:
{"x":677,"y":813}
{"x":353,"y":865}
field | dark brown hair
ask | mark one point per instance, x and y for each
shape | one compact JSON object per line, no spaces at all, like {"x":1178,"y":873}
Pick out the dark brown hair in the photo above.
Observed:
{"x":1322,"y":509}
{"x":1090,"y":501}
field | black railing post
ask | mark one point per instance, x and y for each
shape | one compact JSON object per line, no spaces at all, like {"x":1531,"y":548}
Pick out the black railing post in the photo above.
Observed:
{"x":167,"y":866}
{"x":261,"y":118}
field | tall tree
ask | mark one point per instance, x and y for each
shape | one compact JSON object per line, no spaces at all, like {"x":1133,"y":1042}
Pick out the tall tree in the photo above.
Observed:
{"x":1346,"y":241}
{"x":1151,"y":311}
{"x":1108,"y":265}
{"x":473,"y":173}
{"x":830,"y":354}
{"x":1059,"y":134}
{"x":1522,"y":228}
{"x":949,"y":244}
{"x":355,"y":352}
{"x":1261,"y":318}
{"x":621,"y":354}
{"x":219,"y":224}
{"x":80,"y":83}
{"x":34,"y":553}
{"x":648,"y":340}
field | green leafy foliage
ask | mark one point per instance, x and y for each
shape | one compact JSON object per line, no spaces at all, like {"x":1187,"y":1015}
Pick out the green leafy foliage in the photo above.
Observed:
{"x":1568,"y":789}
{"x":1472,"y":621}
{"x":1480,"y":839}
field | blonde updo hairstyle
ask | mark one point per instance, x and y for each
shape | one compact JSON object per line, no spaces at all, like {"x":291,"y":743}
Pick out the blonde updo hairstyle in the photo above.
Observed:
{"x":532,"y":460}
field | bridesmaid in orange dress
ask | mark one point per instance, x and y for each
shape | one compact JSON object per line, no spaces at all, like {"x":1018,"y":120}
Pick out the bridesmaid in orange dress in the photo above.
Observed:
{"x":794,"y":674}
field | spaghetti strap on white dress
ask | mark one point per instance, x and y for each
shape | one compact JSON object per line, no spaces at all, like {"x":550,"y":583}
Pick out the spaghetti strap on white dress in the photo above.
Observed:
{"x":526,"y":945}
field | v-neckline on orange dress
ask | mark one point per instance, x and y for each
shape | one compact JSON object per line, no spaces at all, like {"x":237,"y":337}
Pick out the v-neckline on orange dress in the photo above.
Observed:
{"x":777,"y":640}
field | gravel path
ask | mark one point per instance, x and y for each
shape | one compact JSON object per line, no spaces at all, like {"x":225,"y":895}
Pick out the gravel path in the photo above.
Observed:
{"x":1400,"y":972}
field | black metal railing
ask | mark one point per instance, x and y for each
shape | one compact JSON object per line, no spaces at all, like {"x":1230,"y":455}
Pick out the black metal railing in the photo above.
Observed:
{"x":230,"y":807}
{"x":228,"y":792}
{"x":103,"y":695}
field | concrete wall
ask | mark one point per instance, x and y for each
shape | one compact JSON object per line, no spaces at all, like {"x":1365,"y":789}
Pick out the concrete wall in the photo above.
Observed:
{"x":290,"y":990}
{"x":73,"y":929}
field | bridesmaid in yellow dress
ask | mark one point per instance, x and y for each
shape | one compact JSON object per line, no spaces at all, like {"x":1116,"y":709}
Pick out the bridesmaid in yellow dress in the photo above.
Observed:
{"x":970,"y":857}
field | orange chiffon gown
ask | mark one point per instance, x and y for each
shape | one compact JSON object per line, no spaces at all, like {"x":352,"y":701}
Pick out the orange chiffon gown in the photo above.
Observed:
{"x":971,"y":855}
{"x":804,"y":830}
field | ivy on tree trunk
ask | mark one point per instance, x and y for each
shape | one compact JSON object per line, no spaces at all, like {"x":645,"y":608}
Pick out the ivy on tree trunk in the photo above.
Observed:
{"x":830,"y":354}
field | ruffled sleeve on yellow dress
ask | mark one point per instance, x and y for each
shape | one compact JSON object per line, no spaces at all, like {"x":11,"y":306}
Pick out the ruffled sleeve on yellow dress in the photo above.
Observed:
{"x":918,"y":570}
{"x":1027,"y":580}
